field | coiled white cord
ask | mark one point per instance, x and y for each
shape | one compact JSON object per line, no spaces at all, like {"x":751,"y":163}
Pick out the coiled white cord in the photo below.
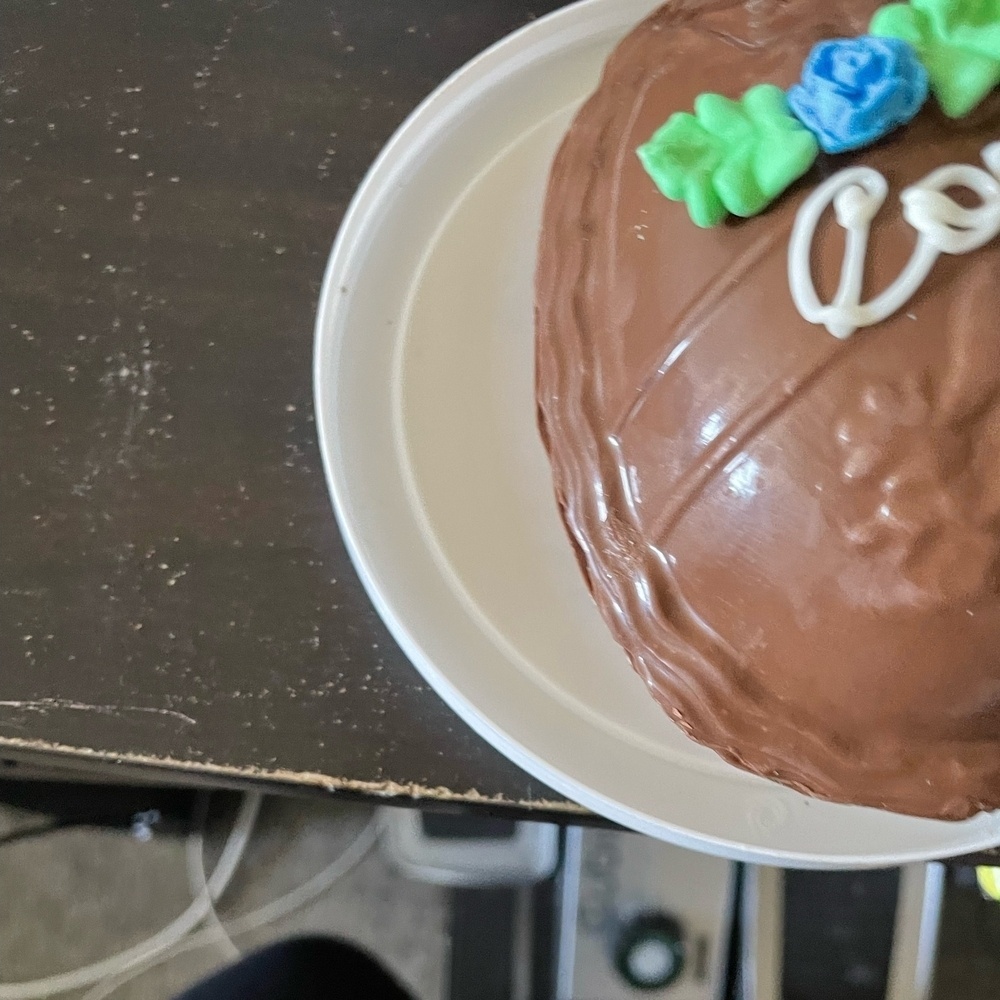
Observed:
{"x":163,"y":940}
{"x":283,"y":906}
{"x":194,"y":851}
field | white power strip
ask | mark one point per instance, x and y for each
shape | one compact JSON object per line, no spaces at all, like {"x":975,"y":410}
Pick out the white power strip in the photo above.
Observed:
{"x":528,"y":855}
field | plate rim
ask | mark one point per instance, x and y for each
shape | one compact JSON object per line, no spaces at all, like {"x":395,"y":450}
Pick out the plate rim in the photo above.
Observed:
{"x":358,"y":219}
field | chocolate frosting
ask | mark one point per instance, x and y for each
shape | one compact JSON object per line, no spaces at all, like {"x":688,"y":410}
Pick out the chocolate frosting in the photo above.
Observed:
{"x":796,"y":539}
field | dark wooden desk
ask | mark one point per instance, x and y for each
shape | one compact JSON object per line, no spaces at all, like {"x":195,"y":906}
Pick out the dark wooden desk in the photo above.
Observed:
{"x":176,"y":605}
{"x":175,"y":601}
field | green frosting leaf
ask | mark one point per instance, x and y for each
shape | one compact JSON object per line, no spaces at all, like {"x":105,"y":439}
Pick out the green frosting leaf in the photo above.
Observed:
{"x":730,"y":157}
{"x":972,"y":24}
{"x":957,"y":40}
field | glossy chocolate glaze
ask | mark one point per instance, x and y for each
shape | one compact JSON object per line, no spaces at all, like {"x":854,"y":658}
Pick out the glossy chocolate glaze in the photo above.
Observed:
{"x":795,"y":539}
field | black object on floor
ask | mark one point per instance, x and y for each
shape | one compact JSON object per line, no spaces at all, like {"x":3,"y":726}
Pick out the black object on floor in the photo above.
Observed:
{"x":312,"y":968}
{"x":483,"y":929}
{"x":838,"y":934}
{"x":503,"y":943}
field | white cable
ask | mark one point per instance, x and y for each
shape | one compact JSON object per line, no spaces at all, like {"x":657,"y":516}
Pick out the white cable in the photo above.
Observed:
{"x":198,"y":880}
{"x":163,"y":940}
{"x":349,"y":858}
{"x":283,"y":906}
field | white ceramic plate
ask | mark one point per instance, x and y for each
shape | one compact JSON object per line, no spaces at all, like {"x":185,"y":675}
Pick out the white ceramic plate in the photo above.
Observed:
{"x":425,"y":403}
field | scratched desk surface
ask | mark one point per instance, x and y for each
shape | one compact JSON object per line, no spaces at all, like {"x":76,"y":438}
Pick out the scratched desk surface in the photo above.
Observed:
{"x":173,"y":588}
{"x":175,"y":600}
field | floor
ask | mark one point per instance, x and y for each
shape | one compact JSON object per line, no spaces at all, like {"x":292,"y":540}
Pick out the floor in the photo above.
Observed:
{"x":76,"y":896}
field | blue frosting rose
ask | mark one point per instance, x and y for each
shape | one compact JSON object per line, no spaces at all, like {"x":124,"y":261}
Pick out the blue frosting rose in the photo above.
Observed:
{"x":856,"y":90}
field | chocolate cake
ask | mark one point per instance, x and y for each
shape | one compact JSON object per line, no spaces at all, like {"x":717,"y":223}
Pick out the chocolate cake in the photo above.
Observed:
{"x":794,"y":537}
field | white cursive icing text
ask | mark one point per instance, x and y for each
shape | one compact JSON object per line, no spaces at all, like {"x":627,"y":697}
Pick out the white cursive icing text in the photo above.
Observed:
{"x":856,"y":195}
